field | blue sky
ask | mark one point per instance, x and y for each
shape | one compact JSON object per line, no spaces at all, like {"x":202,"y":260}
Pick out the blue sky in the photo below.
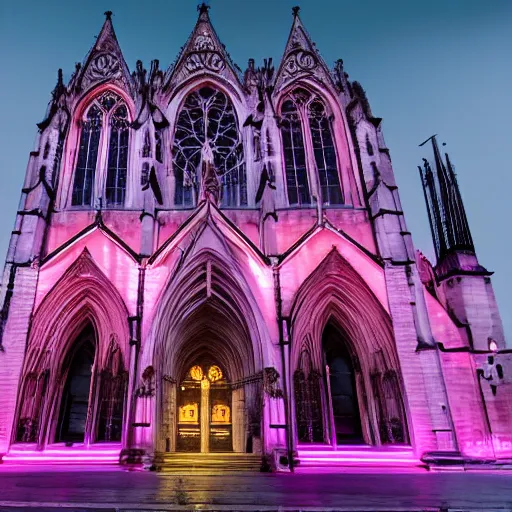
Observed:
{"x":428,"y":67}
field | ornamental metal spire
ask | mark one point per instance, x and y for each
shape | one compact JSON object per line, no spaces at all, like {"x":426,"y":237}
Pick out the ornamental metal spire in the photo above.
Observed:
{"x":448,"y":221}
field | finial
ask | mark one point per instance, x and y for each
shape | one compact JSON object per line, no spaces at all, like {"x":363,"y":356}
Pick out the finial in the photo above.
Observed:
{"x":295,"y":10}
{"x":203,"y":8}
{"x":108,"y":14}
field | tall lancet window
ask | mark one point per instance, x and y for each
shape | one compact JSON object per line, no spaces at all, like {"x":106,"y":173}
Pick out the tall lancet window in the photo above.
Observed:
{"x":87,"y":158}
{"x":325,"y":153}
{"x":309,"y":151}
{"x":297,"y":183}
{"x":102,"y":162}
{"x":117,"y":157}
{"x":207,"y":125}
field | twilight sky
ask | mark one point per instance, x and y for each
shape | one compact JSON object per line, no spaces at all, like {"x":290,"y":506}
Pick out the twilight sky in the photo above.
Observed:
{"x":427,"y":66}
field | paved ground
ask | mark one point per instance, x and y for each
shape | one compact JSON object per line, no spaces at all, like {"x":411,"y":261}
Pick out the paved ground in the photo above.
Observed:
{"x":79,"y":489}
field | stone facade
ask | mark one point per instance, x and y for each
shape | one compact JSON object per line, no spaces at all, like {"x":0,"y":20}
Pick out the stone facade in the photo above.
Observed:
{"x":205,"y":260}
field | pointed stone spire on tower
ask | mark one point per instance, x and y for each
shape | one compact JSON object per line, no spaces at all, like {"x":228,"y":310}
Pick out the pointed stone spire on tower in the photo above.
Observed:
{"x":465,"y":285}
{"x":301,"y":59}
{"x":202,"y":53}
{"x":104,"y":62}
{"x":448,"y":221}
{"x":53,"y":106}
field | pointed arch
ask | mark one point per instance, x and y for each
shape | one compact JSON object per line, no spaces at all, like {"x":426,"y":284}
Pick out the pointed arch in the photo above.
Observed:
{"x":334,"y":294}
{"x":97,"y":149}
{"x":206,"y":288}
{"x":82,"y":299}
{"x":83,"y":294}
{"x":208,"y":313}
{"x":329,"y":158}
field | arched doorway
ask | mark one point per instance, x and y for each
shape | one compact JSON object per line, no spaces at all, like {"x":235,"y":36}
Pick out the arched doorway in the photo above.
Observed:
{"x":204,"y":404}
{"x":326,"y":393}
{"x":74,"y":406}
{"x":92,"y":398}
{"x":344,"y":359}
{"x":342,"y":399}
{"x":205,"y":320}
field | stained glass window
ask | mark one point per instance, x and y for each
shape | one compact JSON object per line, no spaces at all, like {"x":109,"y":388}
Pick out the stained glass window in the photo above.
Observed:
{"x":325,"y":154}
{"x":117,"y":157}
{"x":304,"y":115}
{"x":106,"y":122}
{"x":87,"y":158}
{"x":208,"y":114}
{"x":294,"y":155}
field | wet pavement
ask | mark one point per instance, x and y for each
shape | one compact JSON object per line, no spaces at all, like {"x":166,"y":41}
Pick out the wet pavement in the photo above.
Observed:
{"x":85,"y":489}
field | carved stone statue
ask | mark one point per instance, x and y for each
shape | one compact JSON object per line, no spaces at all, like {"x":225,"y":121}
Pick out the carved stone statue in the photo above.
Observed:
{"x":266,"y":194}
{"x":261,"y":79}
{"x":210,"y":187}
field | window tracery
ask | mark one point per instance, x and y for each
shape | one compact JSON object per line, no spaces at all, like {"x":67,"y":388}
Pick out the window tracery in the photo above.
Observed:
{"x":106,"y":124}
{"x":208,"y":118}
{"x":306,"y":127}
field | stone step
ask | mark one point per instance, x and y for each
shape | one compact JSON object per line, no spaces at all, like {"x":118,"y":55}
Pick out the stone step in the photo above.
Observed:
{"x":97,"y":455}
{"x":205,"y":462}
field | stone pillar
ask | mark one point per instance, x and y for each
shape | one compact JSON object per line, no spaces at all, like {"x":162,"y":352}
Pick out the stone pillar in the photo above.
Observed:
{"x":128,"y":437}
{"x":239,"y":427}
{"x":205,"y":415}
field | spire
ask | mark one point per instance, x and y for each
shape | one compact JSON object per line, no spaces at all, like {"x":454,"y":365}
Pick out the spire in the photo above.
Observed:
{"x":53,"y":106}
{"x":203,"y":52}
{"x":301,"y":58}
{"x":203,"y":11}
{"x":447,"y":217}
{"x":104,"y":62}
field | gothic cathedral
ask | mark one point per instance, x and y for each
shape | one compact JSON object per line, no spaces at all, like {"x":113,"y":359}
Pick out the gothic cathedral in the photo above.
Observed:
{"x":212,"y":267}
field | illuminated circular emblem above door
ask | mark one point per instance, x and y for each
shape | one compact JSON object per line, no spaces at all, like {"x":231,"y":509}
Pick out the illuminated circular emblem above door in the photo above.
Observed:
{"x":214,"y":373}
{"x":196,"y":372}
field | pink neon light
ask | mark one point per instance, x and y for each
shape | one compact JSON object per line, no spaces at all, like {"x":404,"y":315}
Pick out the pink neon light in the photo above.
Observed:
{"x":64,"y":452}
{"x":351,"y":452}
{"x":55,"y":455}
{"x":47,"y":458}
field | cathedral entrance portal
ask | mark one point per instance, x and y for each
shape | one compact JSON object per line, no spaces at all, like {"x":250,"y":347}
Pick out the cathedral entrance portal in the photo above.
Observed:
{"x":342,"y":397}
{"x":204,"y":411}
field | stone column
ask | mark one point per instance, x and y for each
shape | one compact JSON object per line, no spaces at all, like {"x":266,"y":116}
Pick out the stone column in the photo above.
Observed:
{"x":205,"y":416}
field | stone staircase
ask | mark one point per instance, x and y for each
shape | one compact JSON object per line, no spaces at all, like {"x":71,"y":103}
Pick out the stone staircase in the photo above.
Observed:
{"x":98,"y":454}
{"x":181,"y":463}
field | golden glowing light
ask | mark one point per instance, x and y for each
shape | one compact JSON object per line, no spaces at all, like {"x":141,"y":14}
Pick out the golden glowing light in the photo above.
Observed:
{"x":214,"y":373}
{"x":189,"y":413}
{"x":196,"y":372}
{"x":221,"y":413}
